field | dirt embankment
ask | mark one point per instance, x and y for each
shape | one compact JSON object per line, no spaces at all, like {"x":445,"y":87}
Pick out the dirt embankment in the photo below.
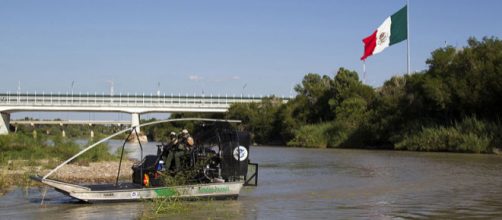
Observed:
{"x":94,"y":172}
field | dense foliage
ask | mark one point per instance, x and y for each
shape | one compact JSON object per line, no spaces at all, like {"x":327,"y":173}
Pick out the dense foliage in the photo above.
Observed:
{"x":454,"y":105}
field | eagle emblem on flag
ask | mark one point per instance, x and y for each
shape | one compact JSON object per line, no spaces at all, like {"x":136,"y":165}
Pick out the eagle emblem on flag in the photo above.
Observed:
{"x":382,"y":38}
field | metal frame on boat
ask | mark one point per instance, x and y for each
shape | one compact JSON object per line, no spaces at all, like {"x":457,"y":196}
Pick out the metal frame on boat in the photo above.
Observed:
{"x":235,"y":174}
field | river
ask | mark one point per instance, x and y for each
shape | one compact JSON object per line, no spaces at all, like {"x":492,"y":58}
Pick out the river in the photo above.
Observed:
{"x":297,"y":183}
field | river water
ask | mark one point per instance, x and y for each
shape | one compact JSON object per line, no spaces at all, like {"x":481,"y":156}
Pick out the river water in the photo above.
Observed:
{"x":296,"y":183}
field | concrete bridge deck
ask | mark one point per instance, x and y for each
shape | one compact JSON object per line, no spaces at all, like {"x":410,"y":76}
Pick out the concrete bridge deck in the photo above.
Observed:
{"x":68,"y":122}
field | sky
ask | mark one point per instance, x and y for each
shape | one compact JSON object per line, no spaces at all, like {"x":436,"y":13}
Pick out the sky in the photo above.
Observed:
{"x":258,"y":47}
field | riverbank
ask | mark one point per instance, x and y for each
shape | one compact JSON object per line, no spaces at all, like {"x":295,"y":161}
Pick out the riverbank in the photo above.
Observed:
{"x":96,"y":172}
{"x":471,"y":135}
{"x":92,"y":173}
{"x":22,"y":155}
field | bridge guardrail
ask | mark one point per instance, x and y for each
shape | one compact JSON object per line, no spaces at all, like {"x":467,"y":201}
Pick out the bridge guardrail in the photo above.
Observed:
{"x":94,"y":100}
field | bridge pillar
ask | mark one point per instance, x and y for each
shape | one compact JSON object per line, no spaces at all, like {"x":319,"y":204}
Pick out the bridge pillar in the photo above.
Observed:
{"x":4,"y":122}
{"x":135,"y":121}
{"x":92,"y":131}
{"x":63,"y":133}
{"x":34,"y":130}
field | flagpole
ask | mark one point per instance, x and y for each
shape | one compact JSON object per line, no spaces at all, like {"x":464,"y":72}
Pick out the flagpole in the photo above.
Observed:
{"x":364,"y":71}
{"x":408,"y":33}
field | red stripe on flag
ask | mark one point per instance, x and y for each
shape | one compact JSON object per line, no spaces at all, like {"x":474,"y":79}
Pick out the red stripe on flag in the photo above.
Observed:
{"x":369,"y":45}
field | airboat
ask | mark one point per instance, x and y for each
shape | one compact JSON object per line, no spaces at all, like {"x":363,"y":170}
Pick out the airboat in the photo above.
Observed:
{"x":219,"y":165}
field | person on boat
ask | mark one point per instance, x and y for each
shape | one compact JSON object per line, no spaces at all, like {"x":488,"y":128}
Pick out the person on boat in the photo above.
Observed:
{"x":171,"y":143}
{"x":186,"y":141}
{"x":183,"y":147}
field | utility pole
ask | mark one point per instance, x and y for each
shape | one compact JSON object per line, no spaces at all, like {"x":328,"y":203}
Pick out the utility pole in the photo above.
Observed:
{"x":72,"y":84}
{"x":111,"y":87}
{"x":242,"y":92}
{"x":158,"y":88}
{"x":18,"y":90}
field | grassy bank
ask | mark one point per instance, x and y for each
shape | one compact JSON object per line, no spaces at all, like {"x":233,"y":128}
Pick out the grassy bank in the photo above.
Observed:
{"x":20,"y":146}
{"x":22,"y":155}
{"x":469,"y":135}
{"x":311,"y":136}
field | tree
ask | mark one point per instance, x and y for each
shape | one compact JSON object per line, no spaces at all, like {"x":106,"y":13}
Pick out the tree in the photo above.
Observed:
{"x":313,"y":91}
{"x":258,"y":118}
{"x":346,"y":85}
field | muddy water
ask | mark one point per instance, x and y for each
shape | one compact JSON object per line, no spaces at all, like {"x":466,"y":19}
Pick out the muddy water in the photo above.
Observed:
{"x":319,"y":184}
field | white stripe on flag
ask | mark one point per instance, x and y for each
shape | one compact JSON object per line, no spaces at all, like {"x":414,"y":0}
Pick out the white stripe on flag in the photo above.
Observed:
{"x":383,"y":36}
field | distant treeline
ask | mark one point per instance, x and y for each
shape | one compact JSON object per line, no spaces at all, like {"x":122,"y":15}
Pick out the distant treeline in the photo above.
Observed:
{"x":454,"y":105}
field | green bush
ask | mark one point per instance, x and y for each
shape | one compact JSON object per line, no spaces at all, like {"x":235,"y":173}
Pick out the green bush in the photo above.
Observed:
{"x":98,"y":153}
{"x":62,"y":148}
{"x":20,"y":146}
{"x":470,"y":135}
{"x":24,"y":147}
{"x":313,"y":136}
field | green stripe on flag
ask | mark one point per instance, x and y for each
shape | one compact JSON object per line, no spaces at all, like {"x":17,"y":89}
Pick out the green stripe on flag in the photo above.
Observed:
{"x":399,"y":27}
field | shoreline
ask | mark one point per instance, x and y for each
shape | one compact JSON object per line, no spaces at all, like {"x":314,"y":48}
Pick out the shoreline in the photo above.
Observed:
{"x":92,"y":173}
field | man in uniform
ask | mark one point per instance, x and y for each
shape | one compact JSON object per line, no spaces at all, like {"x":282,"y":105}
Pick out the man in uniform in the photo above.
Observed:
{"x":171,"y":143}
{"x":184,"y":146}
{"x":186,"y":142}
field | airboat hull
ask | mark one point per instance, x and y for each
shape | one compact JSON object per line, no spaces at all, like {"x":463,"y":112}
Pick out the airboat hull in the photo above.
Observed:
{"x":133,"y":192}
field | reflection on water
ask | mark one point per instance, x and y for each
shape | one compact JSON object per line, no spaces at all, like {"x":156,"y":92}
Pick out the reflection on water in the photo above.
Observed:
{"x":320,"y":184}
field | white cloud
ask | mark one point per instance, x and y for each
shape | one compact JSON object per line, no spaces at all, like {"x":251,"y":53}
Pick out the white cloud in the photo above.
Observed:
{"x":210,"y":79}
{"x":195,"y":78}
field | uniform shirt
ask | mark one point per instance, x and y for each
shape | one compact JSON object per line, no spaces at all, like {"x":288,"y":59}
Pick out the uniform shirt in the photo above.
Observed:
{"x":186,"y":143}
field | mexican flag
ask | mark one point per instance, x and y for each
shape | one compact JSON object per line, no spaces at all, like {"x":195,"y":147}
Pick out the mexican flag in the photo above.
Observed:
{"x":393,"y":30}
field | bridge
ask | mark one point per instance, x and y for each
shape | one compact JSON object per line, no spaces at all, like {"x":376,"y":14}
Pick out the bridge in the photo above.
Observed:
{"x":134,"y":104}
{"x":68,"y":122}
